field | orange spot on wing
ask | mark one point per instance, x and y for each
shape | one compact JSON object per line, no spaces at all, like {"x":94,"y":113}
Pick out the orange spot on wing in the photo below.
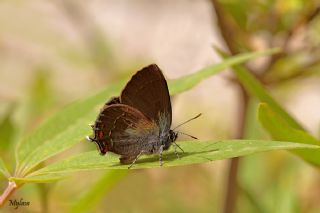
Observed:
{"x":100,"y":134}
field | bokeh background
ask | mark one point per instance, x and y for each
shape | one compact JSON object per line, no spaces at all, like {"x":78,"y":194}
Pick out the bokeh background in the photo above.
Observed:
{"x":54,"y":52}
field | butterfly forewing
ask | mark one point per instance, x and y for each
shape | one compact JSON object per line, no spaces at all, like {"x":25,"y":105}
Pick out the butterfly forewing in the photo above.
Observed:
{"x":148,"y":92}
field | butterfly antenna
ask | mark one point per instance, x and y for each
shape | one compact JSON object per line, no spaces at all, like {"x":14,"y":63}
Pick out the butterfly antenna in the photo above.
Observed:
{"x":187,"y":135}
{"x":197,"y":116}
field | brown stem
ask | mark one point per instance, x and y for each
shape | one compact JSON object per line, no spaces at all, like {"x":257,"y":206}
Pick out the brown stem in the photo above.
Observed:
{"x":305,"y":21}
{"x":232,"y":184}
{"x":227,"y":27}
{"x":12,"y":186}
{"x":228,"y":30}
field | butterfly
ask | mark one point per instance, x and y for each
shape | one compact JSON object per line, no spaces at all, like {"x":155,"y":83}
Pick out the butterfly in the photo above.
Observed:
{"x":139,"y":120}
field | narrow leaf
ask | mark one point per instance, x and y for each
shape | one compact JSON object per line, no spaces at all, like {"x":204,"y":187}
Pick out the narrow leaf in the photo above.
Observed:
{"x":70,"y":123}
{"x":254,"y":87}
{"x":294,"y":131}
{"x":189,"y":81}
{"x":69,"y":126}
{"x":38,"y":179}
{"x":281,"y":130}
{"x":194,"y":152}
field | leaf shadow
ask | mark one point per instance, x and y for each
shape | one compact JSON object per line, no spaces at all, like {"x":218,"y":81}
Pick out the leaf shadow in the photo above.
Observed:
{"x":167,"y":157}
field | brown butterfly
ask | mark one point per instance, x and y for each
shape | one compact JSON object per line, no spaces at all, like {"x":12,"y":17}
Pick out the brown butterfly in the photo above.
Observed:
{"x":139,"y":120}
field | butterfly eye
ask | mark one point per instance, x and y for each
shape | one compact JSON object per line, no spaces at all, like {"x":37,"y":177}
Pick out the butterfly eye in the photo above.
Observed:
{"x":172,"y":136}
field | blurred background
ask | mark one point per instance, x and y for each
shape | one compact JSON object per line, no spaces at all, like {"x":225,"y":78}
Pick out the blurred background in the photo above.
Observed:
{"x":54,"y":52}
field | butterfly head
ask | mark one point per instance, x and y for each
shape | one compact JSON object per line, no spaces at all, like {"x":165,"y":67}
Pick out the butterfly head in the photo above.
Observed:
{"x":100,"y":145}
{"x":173,"y":136}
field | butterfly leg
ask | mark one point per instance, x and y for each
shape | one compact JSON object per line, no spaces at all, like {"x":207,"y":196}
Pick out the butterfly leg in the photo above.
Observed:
{"x":175,"y":151}
{"x":160,"y":153}
{"x":136,"y":158}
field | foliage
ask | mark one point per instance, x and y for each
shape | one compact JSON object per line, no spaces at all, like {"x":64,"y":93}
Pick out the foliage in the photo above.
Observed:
{"x":67,"y":128}
{"x":194,"y":152}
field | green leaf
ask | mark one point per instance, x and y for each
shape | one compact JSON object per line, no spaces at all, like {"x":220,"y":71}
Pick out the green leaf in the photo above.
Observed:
{"x":189,"y":81}
{"x":90,"y":199}
{"x":38,"y":179}
{"x":254,"y":87}
{"x":69,"y":126}
{"x":253,"y":128}
{"x":281,"y":130}
{"x":289,"y":129}
{"x":195,"y":152}
{"x":60,"y":132}
{"x":3,"y":169}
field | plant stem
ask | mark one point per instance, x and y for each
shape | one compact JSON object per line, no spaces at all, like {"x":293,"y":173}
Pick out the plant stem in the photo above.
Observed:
{"x":232,"y":184}
{"x":12,"y":186}
{"x":231,"y":187}
{"x":228,"y":30}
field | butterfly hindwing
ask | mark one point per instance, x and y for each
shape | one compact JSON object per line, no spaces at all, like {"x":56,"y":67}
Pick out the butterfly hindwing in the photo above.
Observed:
{"x":122,"y":127}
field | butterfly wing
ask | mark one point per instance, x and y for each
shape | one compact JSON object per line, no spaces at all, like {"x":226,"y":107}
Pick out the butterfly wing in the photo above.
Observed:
{"x":148,"y":92}
{"x":125,"y":130}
